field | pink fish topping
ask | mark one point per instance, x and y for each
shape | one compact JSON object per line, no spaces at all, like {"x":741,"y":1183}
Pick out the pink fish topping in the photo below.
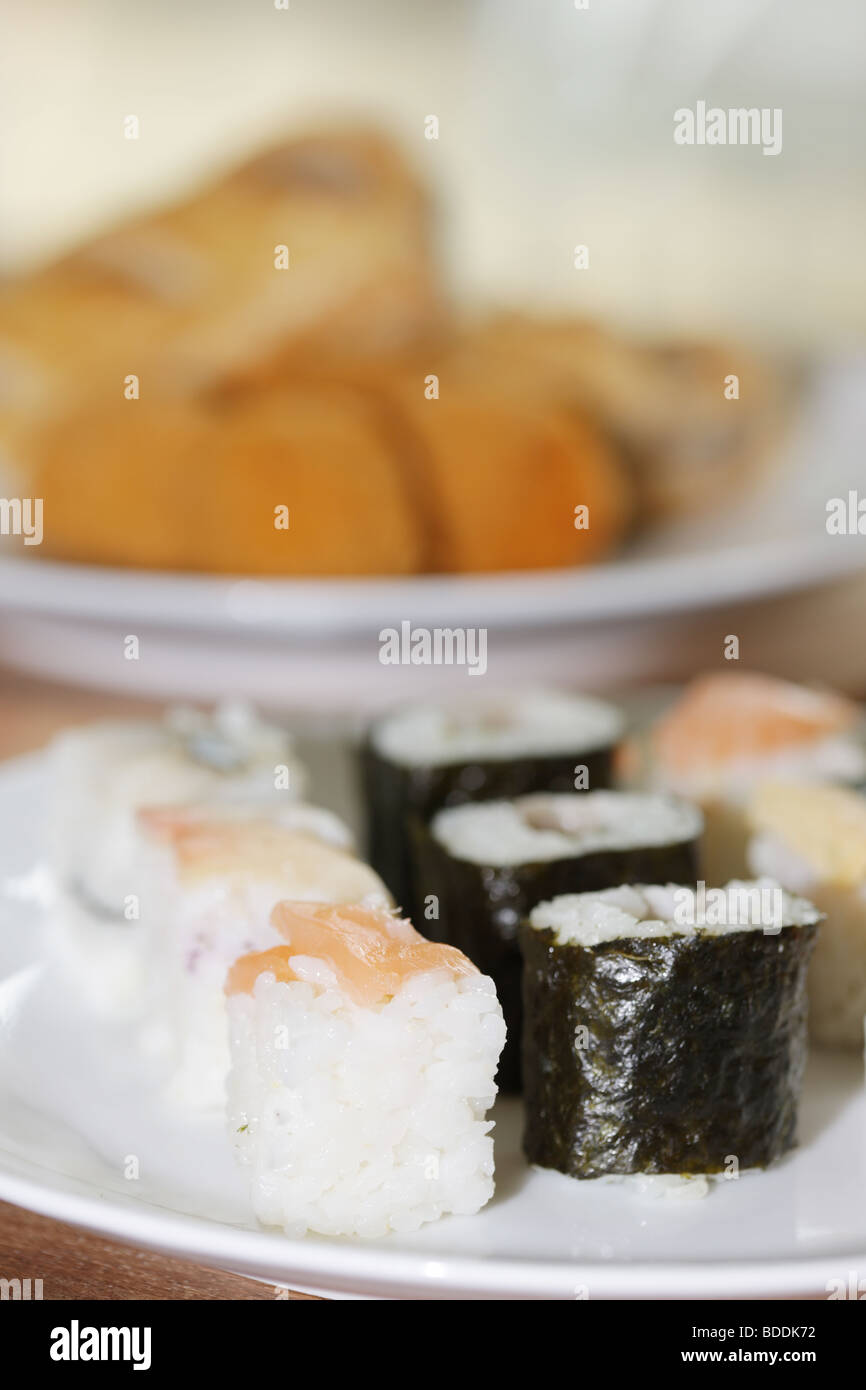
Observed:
{"x":371,"y":952}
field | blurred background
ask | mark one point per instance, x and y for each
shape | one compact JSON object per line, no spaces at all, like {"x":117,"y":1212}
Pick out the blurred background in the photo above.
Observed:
{"x":555,"y":128}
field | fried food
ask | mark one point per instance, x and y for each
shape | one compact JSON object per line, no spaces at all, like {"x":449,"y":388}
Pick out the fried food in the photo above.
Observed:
{"x":689,"y":443}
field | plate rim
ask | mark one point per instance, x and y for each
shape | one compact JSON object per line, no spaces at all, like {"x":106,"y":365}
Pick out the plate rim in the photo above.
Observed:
{"x":350,"y":1267}
{"x":622,"y":589}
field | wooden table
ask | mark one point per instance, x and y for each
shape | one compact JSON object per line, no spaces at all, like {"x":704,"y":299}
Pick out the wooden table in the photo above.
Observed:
{"x":74,"y":1263}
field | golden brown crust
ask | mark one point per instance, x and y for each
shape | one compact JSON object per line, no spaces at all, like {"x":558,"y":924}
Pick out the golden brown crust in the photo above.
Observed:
{"x":116,"y":482}
{"x":376,"y":480}
{"x":665,"y":404}
{"x":305,"y":388}
{"x":166,"y":485}
{"x":505,"y":474}
{"x":192,"y":293}
{"x":320,"y":452}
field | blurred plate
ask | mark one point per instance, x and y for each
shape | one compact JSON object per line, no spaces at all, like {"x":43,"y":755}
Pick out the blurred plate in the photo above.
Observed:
{"x":205,"y":635}
{"x":72,"y":1109}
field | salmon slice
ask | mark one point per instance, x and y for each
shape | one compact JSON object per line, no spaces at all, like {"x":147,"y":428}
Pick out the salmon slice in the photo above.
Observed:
{"x":741,"y":715}
{"x":371,"y":953}
{"x":169,"y":823}
{"x":206,"y":847}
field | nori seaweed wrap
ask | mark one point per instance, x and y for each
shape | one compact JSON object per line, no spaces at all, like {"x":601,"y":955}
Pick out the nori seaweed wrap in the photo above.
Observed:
{"x":655,"y":1047}
{"x":488,"y":865}
{"x":425,"y":757}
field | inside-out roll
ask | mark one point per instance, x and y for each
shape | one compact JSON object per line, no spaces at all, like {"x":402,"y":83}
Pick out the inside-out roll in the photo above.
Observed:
{"x":424,"y":757}
{"x":665,"y":1028}
{"x":479,"y":870}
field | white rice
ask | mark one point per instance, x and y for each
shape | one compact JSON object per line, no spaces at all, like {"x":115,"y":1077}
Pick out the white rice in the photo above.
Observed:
{"x":837,"y":974}
{"x":834,"y":758}
{"x":100,"y":956}
{"x":109,"y":955}
{"x":538,"y":828}
{"x":359,"y":1121}
{"x":530,"y":724}
{"x":669,"y":1187}
{"x":195,"y":931}
{"x":770,"y":857}
{"x":104,"y":773}
{"x":587,"y":919}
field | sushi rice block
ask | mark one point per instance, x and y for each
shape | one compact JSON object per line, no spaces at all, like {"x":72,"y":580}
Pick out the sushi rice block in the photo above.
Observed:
{"x":212,"y":886}
{"x":363,"y":1059}
{"x":104,"y":773}
{"x":105,"y":952}
{"x":731,"y":731}
{"x":813,"y":840}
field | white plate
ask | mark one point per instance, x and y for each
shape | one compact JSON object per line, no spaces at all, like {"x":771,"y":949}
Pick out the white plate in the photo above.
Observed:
{"x":72,"y":1112}
{"x":203,"y":635}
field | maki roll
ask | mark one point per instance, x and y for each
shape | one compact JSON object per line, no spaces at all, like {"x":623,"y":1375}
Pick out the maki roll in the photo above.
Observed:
{"x":210,"y":888}
{"x":363,"y":1059}
{"x":427,"y":756}
{"x":813,"y":840}
{"x":731,"y":731}
{"x":104,"y":773}
{"x":665,"y":1028}
{"x":480,"y":869}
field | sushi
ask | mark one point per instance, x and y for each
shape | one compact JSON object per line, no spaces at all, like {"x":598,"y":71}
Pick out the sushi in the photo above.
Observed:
{"x":665,"y":1028}
{"x":424,"y":757}
{"x":731,"y":731}
{"x":813,"y":840}
{"x":363,"y":1059}
{"x":209,"y":890}
{"x":302,"y":816}
{"x":101,"y":949}
{"x":103,"y":773}
{"x":480,"y":869}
